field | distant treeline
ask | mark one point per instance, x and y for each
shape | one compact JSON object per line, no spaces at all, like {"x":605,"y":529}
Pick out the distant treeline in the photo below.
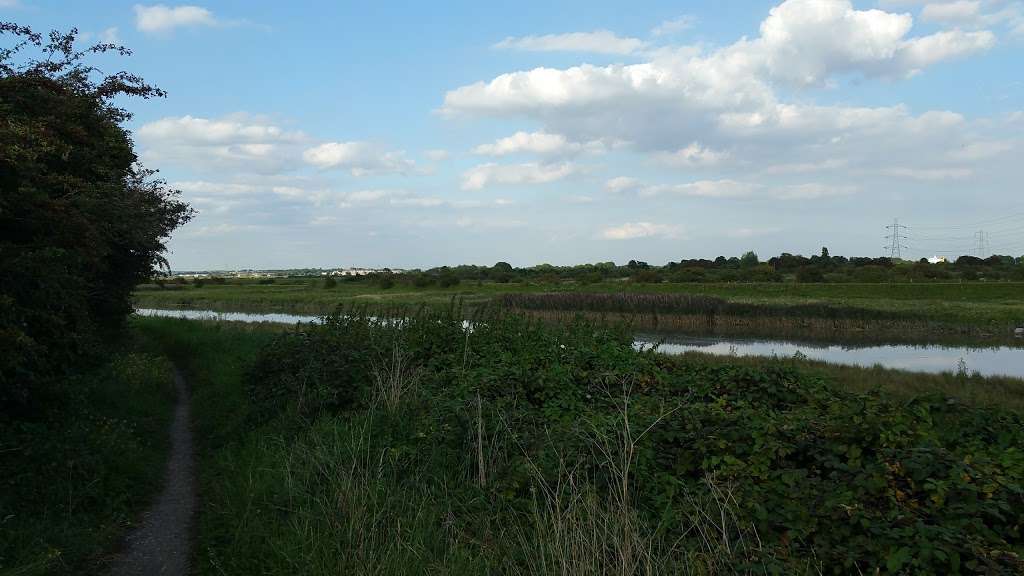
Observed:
{"x":747,"y":268}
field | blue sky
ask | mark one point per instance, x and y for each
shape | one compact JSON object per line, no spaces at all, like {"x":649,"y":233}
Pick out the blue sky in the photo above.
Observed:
{"x":412,"y":134}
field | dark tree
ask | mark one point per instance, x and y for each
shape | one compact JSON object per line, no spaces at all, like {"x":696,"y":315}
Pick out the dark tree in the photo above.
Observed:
{"x":81,"y":222}
{"x":749,"y":260}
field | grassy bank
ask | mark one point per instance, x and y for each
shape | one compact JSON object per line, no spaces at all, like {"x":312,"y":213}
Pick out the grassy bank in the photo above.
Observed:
{"x":528,"y":448}
{"x":76,"y":477}
{"x":977,"y":307}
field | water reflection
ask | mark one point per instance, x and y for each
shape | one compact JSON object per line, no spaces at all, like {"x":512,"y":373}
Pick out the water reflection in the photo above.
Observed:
{"x":273,"y":318}
{"x":988,"y":361}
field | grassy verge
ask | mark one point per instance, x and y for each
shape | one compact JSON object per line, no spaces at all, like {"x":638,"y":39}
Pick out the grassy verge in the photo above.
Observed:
{"x":73,"y":480}
{"x":523,"y":448}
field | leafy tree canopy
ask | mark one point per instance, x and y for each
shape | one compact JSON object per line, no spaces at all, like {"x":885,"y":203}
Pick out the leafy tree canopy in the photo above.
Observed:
{"x":81,"y":222}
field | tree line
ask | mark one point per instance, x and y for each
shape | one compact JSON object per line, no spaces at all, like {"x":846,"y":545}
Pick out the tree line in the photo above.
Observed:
{"x":819,"y":268}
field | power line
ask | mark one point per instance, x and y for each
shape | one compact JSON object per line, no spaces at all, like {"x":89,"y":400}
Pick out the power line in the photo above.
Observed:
{"x":896,"y":238}
{"x":990,"y":221}
{"x":982,"y":243}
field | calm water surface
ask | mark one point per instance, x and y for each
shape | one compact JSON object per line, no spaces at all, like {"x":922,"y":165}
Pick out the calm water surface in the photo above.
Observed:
{"x":989,"y":361}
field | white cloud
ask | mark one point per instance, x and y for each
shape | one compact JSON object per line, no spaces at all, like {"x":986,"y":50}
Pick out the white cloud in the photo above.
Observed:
{"x":704,"y":189}
{"x":811,"y":191}
{"x":541,"y":143}
{"x":233,"y":142}
{"x":731,"y":189}
{"x":920,"y":53}
{"x":981,"y":150}
{"x":323,"y":220}
{"x":802,"y":42}
{"x":483,"y":224}
{"x":359,"y":158}
{"x":162,"y":18}
{"x":634,"y":230}
{"x":484,"y":175}
{"x":229,"y":130}
{"x":110,"y":36}
{"x":727,"y":100}
{"x":222,"y":229}
{"x":673,"y":26}
{"x":951,"y":11}
{"x":622,"y":184}
{"x":597,"y":42}
{"x":418,"y":202}
{"x":214,"y":188}
{"x":805,"y":167}
{"x":693,"y":156}
{"x":976,"y":13}
{"x":806,"y":41}
{"x":215,"y":205}
{"x":579,"y":199}
{"x":929,"y":174}
{"x":437,"y":155}
{"x":9,"y":3}
{"x":742,"y":233}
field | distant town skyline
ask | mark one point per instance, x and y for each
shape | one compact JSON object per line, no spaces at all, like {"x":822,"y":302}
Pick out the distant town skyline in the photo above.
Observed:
{"x":417,"y":135}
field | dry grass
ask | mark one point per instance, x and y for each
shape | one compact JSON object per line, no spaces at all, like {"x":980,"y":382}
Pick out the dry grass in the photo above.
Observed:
{"x":394,"y":378}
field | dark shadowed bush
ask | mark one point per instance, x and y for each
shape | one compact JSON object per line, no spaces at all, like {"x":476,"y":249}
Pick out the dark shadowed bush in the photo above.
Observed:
{"x":81,"y":223}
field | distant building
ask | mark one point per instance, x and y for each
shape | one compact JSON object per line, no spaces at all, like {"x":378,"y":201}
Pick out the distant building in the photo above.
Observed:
{"x":938,"y":260}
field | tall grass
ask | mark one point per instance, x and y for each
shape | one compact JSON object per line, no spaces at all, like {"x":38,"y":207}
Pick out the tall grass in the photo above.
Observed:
{"x":691,"y":304}
{"x":529,"y":448}
{"x":713,"y":315}
{"x":74,"y":479}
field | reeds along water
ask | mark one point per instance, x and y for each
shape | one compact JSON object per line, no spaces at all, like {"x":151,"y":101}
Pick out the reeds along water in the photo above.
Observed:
{"x":707,"y":315}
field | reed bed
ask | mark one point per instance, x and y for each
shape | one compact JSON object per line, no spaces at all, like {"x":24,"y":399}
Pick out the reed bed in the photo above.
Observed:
{"x":713,"y":315}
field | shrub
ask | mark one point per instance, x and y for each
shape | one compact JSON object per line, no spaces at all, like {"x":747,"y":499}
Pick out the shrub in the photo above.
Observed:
{"x":81,"y":223}
{"x":448,"y":280}
{"x":809,"y":276}
{"x":646,"y":276}
{"x":841,"y":482}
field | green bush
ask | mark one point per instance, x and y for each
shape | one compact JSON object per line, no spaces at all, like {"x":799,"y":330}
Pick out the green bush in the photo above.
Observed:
{"x":448,"y":280}
{"x":74,"y":478}
{"x":81,"y":223}
{"x":843,"y":482}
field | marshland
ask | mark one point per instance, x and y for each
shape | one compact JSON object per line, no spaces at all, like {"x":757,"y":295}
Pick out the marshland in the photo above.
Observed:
{"x":191,"y":384}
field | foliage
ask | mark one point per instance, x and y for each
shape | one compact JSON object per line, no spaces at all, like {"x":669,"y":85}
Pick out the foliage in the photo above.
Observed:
{"x":72,"y":482}
{"x":908,"y":312}
{"x":506,"y":410}
{"x":685,"y":304}
{"x":448,"y":279}
{"x":81,"y":223}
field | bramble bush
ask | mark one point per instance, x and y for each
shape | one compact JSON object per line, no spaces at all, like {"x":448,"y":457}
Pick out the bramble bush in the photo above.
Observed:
{"x":842,"y":482}
{"x":81,"y":222}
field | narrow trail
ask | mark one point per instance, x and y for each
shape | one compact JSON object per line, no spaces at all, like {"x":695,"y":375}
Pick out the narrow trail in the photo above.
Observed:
{"x":161,"y":545}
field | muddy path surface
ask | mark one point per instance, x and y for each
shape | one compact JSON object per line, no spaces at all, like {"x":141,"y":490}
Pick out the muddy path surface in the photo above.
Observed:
{"x":162,"y":543}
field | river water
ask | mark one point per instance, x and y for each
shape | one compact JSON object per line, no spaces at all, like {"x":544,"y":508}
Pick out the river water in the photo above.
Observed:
{"x":988,"y":361}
